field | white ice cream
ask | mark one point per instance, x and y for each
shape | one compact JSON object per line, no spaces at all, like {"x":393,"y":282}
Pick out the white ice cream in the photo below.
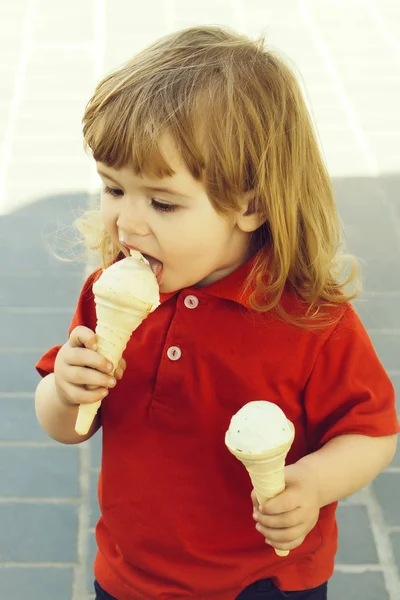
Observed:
{"x":257,"y":427}
{"x":127,"y":281}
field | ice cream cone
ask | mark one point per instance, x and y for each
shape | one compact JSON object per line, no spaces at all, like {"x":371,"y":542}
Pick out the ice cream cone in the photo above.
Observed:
{"x":113,"y":330}
{"x":266,"y":472}
{"x":125,"y":294}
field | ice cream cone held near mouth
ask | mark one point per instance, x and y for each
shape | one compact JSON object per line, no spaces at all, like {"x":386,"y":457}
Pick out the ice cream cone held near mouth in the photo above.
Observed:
{"x":260,"y":436}
{"x":125,"y":294}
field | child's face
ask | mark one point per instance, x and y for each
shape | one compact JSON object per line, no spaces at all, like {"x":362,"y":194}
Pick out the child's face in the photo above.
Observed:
{"x":177,"y":226}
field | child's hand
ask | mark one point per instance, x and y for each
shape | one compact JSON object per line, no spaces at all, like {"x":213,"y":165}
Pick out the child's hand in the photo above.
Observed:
{"x":81,"y":375}
{"x":286,"y":519}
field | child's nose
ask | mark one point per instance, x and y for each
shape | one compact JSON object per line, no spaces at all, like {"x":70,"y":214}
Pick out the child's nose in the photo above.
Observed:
{"x":131,"y":221}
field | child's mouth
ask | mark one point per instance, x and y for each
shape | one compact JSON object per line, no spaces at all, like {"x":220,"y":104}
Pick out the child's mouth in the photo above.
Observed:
{"x":156,"y":266}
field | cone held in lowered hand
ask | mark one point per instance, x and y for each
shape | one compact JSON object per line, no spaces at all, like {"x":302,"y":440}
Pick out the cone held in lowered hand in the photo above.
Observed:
{"x":260,"y":436}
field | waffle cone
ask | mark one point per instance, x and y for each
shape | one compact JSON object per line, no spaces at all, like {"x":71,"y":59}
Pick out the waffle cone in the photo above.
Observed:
{"x":266,"y":472}
{"x":113,"y":330}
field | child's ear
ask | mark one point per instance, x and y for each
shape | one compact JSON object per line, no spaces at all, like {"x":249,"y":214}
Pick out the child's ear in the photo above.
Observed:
{"x":249,"y":218}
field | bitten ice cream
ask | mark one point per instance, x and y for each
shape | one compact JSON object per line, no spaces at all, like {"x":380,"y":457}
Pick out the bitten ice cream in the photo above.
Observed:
{"x":125,"y":294}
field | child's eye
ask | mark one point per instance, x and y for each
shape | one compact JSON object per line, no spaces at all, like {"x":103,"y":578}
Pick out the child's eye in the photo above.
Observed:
{"x":113,"y":191}
{"x":162,"y":207}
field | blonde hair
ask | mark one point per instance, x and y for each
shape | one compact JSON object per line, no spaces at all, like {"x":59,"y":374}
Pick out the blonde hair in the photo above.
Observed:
{"x":236,"y":114}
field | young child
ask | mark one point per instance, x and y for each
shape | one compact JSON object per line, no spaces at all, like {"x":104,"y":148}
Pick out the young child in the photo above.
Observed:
{"x":212,"y":170}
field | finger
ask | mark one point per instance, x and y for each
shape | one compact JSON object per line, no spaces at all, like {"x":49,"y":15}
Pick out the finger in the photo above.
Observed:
{"x":286,"y":545}
{"x":119,"y":373}
{"x":283,"y":536}
{"x":284,"y":502}
{"x":82,"y":337}
{"x":82,"y":357}
{"x":122,"y":364}
{"x":79,"y":395}
{"x":280,"y":521}
{"x":83,"y":376}
{"x":254,"y":500}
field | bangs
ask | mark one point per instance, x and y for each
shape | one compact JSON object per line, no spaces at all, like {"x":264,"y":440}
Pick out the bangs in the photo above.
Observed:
{"x":125,"y":126}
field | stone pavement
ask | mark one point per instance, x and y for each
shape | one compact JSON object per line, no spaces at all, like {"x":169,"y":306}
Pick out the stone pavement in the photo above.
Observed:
{"x":52,"y":54}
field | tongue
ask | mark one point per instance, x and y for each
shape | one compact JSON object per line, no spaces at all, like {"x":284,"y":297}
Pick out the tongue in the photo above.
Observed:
{"x":155,"y":265}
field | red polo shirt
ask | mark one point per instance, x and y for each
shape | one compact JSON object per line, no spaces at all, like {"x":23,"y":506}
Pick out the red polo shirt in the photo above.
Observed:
{"x":176,"y":512}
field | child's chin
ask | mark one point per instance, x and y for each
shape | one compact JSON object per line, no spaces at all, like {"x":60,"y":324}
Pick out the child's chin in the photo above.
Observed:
{"x":167,"y":287}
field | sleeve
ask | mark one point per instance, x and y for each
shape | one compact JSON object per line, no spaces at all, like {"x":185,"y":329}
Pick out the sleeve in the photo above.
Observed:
{"x":348,"y":390}
{"x":85,"y":314}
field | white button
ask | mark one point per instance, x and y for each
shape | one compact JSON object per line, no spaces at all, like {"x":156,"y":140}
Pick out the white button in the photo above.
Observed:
{"x":174,"y":353}
{"x":191,"y":302}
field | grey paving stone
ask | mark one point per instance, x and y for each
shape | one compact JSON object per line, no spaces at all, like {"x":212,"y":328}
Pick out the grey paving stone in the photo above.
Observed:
{"x":396,"y":382}
{"x":34,"y":329}
{"x":34,"y":257}
{"x":356,"y":543}
{"x":381,"y":273}
{"x":396,"y":459}
{"x":357,"y":586}
{"x":387,"y":347}
{"x":387,"y":491}
{"x":91,"y":554}
{"x":95,"y":450}
{"x":17,"y":370}
{"x":370,"y":232}
{"x":395,"y":377}
{"x":40,"y":220}
{"x":391,"y":186}
{"x":49,"y":219}
{"x":44,"y":233}
{"x":30,"y":291}
{"x":38,"y":532}
{"x":355,"y":193}
{"x":94,"y":510}
{"x":395,"y":539}
{"x":39,"y":472}
{"x":20,"y":583}
{"x":379,"y":312}
{"x":18,"y":420}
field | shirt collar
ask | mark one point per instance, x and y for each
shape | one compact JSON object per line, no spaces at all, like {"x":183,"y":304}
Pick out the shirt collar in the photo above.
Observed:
{"x":232,"y":287}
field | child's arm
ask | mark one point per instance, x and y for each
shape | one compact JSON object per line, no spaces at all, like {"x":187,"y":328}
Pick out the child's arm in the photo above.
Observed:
{"x":341,"y":467}
{"x":347,"y":463}
{"x":81,"y":376}
{"x":56,"y":417}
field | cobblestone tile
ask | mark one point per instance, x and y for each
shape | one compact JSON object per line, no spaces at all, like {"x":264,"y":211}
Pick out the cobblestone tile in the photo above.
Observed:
{"x":92,"y":549}
{"x":357,"y":586}
{"x":40,"y":583}
{"x":378,"y":312}
{"x":94,"y":511}
{"x":395,"y":539}
{"x":34,"y":257}
{"x":18,"y":421}
{"x":27,"y":328}
{"x":60,"y":290}
{"x":387,"y":347}
{"x":17,"y":373}
{"x":38,"y":533}
{"x":387,"y":491}
{"x":356,"y":543}
{"x":39,"y":472}
{"x":95,"y":450}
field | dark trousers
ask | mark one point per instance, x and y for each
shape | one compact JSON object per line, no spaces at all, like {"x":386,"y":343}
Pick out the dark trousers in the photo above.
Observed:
{"x":261,"y":590}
